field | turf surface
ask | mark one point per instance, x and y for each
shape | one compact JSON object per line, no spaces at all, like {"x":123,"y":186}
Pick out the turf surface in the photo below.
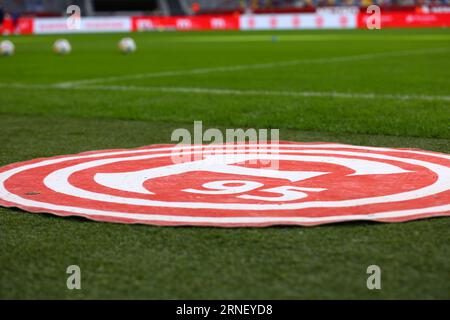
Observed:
{"x":40,"y":115}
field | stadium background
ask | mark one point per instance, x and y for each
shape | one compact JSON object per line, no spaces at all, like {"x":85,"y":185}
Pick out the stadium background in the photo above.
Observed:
{"x":25,"y":17}
{"x":387,"y":87}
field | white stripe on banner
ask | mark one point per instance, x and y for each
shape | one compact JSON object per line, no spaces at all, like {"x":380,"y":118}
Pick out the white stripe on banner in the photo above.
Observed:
{"x":325,"y":20}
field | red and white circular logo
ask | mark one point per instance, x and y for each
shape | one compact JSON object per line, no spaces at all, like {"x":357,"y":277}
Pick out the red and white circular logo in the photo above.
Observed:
{"x":246,"y":185}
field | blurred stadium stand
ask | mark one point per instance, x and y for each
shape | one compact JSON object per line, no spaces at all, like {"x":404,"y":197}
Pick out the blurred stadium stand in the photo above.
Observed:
{"x":189,"y":7}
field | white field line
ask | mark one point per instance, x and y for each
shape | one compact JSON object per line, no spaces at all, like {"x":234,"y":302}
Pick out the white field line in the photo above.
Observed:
{"x":236,"y":92}
{"x":250,"y":67}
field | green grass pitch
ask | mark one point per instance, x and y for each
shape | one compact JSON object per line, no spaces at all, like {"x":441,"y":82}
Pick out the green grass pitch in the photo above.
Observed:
{"x":379,"y":88}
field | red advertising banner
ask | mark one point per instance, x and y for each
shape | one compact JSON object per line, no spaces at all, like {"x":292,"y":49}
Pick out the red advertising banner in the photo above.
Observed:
{"x":19,"y":26}
{"x":408,"y":20}
{"x":420,"y":18}
{"x":87,"y":25}
{"x":230,"y":22}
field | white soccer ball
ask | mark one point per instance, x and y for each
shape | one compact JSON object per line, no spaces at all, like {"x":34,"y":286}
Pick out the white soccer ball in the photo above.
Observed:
{"x":6,"y":48}
{"x":62,"y":46}
{"x":127,"y":45}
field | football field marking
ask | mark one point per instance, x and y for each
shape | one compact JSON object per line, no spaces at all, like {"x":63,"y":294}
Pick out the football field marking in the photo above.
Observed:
{"x":442,"y":171}
{"x":236,"y":92}
{"x":260,"y":66}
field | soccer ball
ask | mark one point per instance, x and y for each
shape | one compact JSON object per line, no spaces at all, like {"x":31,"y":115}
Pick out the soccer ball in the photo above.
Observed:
{"x":127,"y":45}
{"x":6,"y":48}
{"x":62,"y":46}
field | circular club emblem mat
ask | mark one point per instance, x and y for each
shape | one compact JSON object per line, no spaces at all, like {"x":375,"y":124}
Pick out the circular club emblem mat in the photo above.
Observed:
{"x":246,"y":185}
